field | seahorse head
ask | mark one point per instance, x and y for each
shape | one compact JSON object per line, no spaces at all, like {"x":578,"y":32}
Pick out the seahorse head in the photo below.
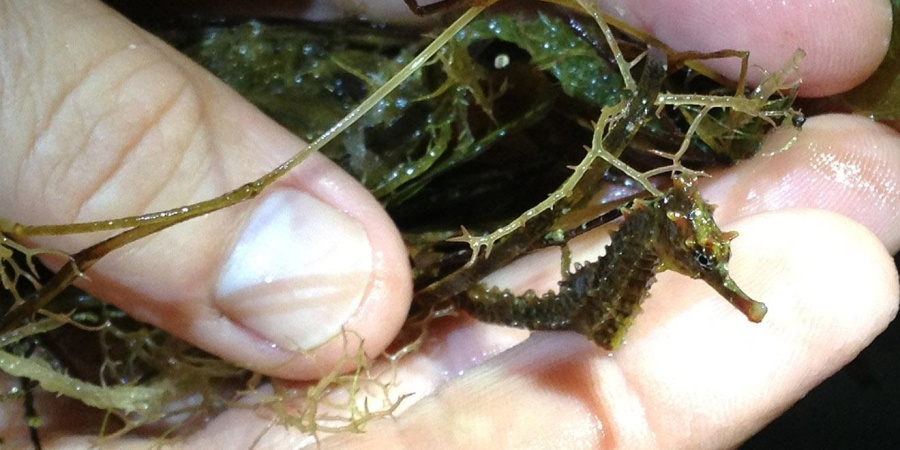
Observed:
{"x":693,"y":244}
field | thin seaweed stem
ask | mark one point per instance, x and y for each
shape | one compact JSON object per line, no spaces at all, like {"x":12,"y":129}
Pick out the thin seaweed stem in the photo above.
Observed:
{"x":252,"y":189}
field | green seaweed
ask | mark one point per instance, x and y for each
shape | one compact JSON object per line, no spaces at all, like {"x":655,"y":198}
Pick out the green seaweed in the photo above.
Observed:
{"x":488,"y":125}
{"x":437,"y":120}
{"x":410,"y":150}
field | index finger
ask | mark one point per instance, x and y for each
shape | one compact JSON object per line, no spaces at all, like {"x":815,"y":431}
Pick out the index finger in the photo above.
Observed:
{"x":844,"y":41}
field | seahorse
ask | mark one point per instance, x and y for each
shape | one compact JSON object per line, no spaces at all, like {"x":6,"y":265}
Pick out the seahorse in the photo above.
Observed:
{"x":600,"y":299}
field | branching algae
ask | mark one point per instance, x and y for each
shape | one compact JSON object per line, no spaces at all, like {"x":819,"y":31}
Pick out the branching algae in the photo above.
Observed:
{"x":600,"y":299}
{"x":451,"y":125}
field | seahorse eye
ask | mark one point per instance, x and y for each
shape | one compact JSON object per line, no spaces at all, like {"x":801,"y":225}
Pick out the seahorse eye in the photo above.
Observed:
{"x":704,"y":259}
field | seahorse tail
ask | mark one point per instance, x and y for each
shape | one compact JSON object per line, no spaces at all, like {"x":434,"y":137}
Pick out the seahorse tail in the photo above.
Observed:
{"x":545,"y":312}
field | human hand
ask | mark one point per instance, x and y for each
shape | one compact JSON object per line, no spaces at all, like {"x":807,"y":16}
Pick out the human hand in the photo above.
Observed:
{"x":666,"y":387}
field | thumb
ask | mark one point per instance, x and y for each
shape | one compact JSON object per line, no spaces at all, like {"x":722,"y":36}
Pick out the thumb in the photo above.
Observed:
{"x":100,"y":120}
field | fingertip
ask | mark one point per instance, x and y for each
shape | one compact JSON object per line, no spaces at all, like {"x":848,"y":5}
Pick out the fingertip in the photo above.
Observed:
{"x":693,"y":372}
{"x":830,"y":288}
{"x":388,"y":293}
{"x":317,"y":273}
{"x":844,"y":41}
{"x":272,"y":283}
{"x":841,"y":163}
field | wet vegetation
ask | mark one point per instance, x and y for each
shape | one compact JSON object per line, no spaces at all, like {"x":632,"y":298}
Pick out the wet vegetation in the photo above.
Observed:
{"x":514,"y":125}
